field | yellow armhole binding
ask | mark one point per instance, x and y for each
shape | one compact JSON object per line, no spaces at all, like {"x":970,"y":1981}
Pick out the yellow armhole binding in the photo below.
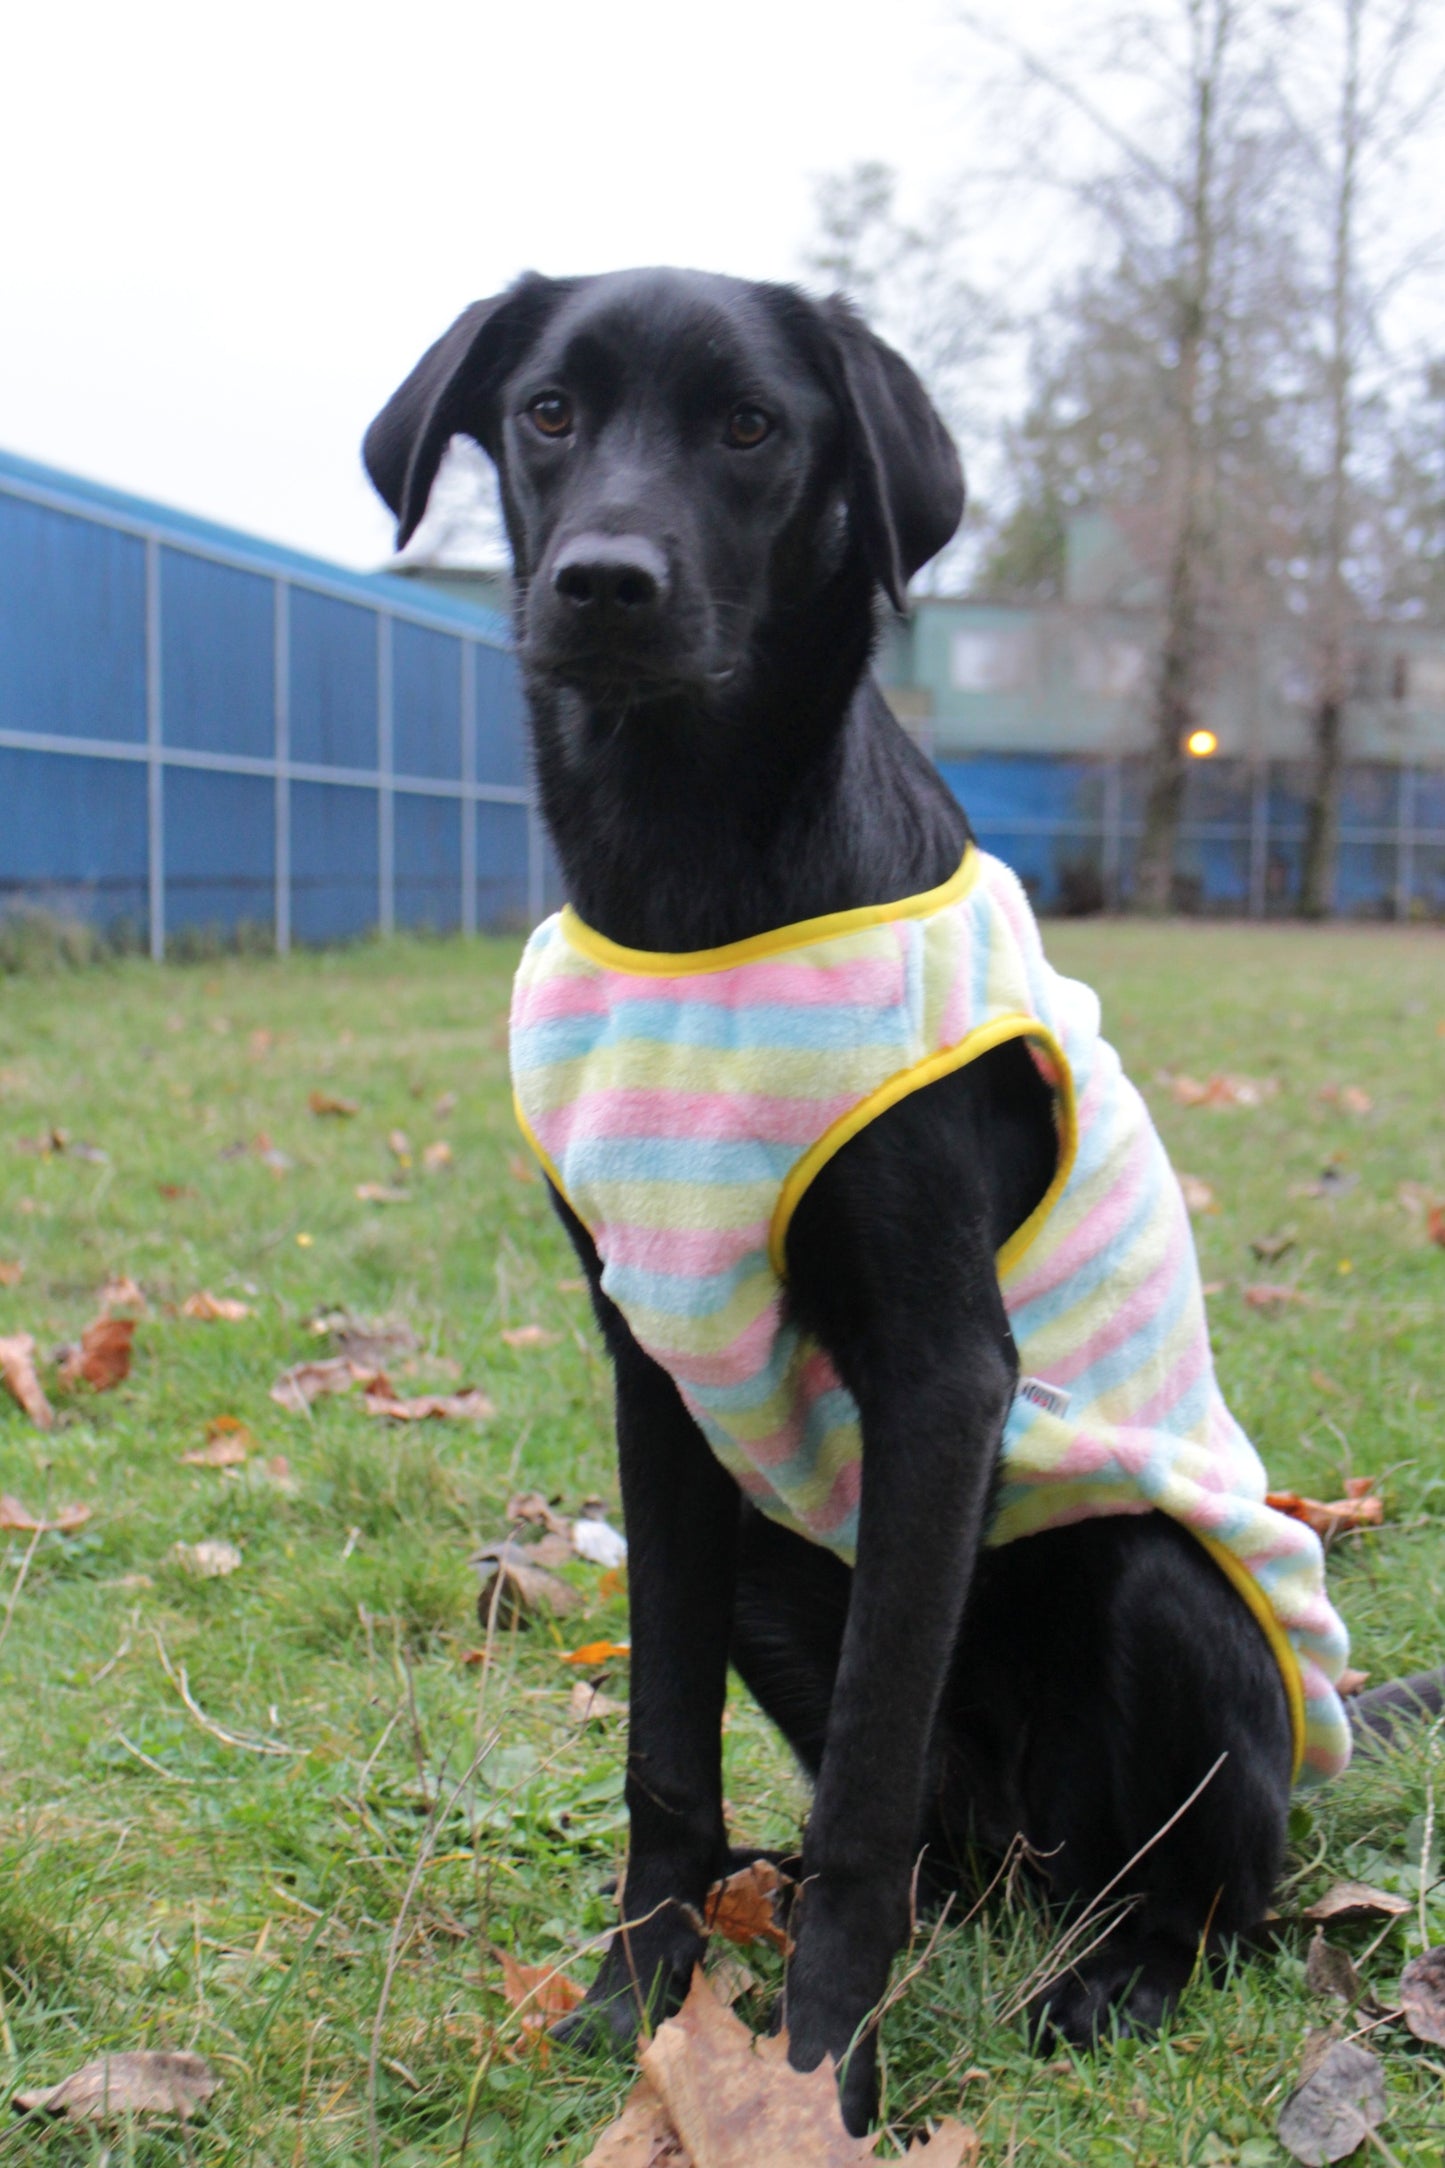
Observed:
{"x":543,"y":1161}
{"x":1235,"y":1571}
{"x":928,"y":1071}
{"x":777,"y":941}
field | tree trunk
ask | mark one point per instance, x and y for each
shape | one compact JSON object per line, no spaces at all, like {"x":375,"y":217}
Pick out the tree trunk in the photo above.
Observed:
{"x":1322,"y":821}
{"x":1173,"y":719}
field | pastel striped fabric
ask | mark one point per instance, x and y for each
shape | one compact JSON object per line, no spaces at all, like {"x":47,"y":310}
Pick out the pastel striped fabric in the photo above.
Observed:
{"x":682,"y":1105}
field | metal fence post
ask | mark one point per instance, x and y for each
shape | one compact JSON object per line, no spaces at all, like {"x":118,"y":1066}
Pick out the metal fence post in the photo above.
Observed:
{"x":469,"y":777}
{"x":385,"y":797}
{"x":1113,"y":832}
{"x":281,"y":708}
{"x":1259,"y":840}
{"x":1405,"y":843}
{"x":155,"y":772}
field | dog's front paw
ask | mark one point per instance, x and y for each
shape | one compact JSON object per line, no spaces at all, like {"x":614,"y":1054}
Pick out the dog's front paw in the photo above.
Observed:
{"x":644,"y":1976}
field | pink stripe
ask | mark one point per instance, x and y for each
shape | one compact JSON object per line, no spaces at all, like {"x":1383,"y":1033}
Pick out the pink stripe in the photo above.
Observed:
{"x":654,"y":1111}
{"x":1184,"y":1374}
{"x":1104,"y":1219}
{"x":866,"y":981}
{"x":1128,"y":1317}
{"x":839,"y":1505}
{"x":690,"y":1252}
{"x":740,"y":1360}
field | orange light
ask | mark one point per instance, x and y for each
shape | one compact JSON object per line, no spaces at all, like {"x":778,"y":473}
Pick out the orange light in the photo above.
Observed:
{"x":1201,"y":743}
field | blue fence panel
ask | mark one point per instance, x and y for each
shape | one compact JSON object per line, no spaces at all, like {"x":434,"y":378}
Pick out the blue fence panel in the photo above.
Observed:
{"x":333,"y":682}
{"x":220,"y":850}
{"x":335,"y":861}
{"x":428,"y":838}
{"x":72,"y":626}
{"x":502,"y":727}
{"x":426,"y":702}
{"x":73,"y":834}
{"x":502,"y":867}
{"x":218,"y":657}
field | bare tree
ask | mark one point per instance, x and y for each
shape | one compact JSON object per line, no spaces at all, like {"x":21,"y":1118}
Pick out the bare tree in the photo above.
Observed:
{"x":1358,"y":105}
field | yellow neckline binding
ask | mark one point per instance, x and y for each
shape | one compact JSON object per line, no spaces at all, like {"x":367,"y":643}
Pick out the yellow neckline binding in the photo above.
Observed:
{"x":777,"y":941}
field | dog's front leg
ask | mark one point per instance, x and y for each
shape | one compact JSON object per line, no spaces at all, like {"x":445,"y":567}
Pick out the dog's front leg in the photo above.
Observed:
{"x":907,"y":1299}
{"x":681,"y":1511}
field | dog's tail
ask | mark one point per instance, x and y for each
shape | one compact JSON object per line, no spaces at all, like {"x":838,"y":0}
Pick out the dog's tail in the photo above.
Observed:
{"x":1379,"y":1714}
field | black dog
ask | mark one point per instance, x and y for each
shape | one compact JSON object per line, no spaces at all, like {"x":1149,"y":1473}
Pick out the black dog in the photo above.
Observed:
{"x":706,"y":483}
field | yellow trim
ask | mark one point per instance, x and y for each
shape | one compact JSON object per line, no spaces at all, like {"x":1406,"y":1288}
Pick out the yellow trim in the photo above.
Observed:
{"x":1235,"y":1571}
{"x":898,"y":1086}
{"x":778,"y":941}
{"x":529,"y":1138}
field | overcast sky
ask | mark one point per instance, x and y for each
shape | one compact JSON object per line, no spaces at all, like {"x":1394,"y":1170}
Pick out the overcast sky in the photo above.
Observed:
{"x":230,"y":231}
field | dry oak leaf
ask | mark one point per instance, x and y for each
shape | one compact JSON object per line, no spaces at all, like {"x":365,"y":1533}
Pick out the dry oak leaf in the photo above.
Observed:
{"x":297,"y":1387}
{"x":1198,"y":1195}
{"x":1351,"y":1902}
{"x":437,"y":1156}
{"x":1359,"y":1508}
{"x":1422,"y":1996}
{"x":16,"y":1516}
{"x":17,"y":1373}
{"x":513,"y":1589}
{"x":142,"y":2081}
{"x":530,"y":1336}
{"x":1270,"y":1295}
{"x":1329,"y":1971}
{"x":381,"y":1193}
{"x":642,"y":2136}
{"x":1221,"y":1091}
{"x":103,"y":1356}
{"x":1348,"y":1096}
{"x":12,"y":1272}
{"x":587,"y":1704}
{"x":328,"y":1103}
{"x":1338,"y":2102}
{"x":542,"y":1993}
{"x":736,"y":2102}
{"x":470,"y":1406}
{"x":743,"y":1907}
{"x":215,"y":1309}
{"x":1269,"y":1247}
{"x":210,"y":1560}
{"x":530,"y":1505}
{"x":122,"y":1294}
{"x":228,"y":1442}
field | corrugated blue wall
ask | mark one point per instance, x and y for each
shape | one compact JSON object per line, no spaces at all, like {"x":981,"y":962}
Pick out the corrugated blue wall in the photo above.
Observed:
{"x":199,"y":730}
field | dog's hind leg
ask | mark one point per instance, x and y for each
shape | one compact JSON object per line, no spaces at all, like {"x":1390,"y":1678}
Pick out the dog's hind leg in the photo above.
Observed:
{"x":1105,"y":1673}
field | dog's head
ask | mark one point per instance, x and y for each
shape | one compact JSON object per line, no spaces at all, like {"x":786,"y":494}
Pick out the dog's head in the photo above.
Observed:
{"x":681,"y":457}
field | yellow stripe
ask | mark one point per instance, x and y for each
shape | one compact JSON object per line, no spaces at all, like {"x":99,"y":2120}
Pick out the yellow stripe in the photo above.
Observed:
{"x":1235,"y":1570}
{"x":913,"y":1079}
{"x":778,"y":941}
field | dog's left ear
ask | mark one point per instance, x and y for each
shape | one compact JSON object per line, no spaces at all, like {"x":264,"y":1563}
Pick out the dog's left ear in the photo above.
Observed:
{"x":905,"y":482}
{"x":451,"y":392}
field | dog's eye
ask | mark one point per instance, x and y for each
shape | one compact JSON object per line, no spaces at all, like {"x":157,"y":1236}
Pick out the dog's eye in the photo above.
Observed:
{"x":747,"y":426}
{"x":551,"y":412}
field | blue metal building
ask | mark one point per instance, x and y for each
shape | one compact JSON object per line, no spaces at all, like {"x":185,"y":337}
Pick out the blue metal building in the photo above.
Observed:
{"x":199,"y":729}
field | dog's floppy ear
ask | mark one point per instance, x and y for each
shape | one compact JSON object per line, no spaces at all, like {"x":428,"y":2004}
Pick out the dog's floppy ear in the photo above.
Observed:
{"x":451,"y":392}
{"x":905,"y":483}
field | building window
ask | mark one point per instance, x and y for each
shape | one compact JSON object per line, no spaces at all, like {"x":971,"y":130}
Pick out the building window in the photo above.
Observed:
{"x":1110,"y":669}
{"x":990,"y":662}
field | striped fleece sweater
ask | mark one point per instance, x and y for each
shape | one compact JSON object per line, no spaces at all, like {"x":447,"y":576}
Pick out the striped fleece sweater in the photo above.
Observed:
{"x":682,"y":1104}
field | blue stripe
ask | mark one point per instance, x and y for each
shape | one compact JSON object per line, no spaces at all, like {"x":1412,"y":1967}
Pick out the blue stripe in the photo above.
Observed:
{"x":1030,"y":1317}
{"x":667,"y":1023}
{"x":677,"y":1294}
{"x":1131,"y":1354}
{"x":702,"y":1160}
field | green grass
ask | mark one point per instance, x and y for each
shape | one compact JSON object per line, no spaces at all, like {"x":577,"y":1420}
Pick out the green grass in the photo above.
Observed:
{"x":159,"y":1887}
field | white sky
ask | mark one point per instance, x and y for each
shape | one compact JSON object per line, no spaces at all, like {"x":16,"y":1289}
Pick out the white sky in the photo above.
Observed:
{"x":229,"y":232}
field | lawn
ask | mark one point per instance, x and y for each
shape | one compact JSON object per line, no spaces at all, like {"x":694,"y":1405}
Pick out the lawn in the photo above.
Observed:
{"x":417,"y":1812}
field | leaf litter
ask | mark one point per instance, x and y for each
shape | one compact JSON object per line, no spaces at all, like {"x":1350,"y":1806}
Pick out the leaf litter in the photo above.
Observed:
{"x":215,"y":1309}
{"x":18,"y":1374}
{"x":1359,"y":1508}
{"x":1422,"y":1996}
{"x":140,"y":2081}
{"x":102,"y":1357}
{"x":1339,"y":2100}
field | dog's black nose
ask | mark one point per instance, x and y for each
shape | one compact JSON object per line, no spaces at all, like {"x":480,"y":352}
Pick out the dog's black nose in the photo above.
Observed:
{"x":610,"y":574}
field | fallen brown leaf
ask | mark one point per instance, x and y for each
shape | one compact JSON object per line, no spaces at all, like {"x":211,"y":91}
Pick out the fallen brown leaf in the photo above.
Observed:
{"x":1221,"y":1091}
{"x":596,"y":1652}
{"x":1198,"y":1195}
{"x":1435,"y":1224}
{"x":542,"y":1993}
{"x":102,"y":1359}
{"x":17,"y":1373}
{"x":1339,"y":2101}
{"x":142,"y":2081}
{"x":1422,"y":1996}
{"x":587,"y":1704}
{"x":471,"y":1406}
{"x":532,"y":1506}
{"x":613,"y":1582}
{"x":642,"y":2136}
{"x":209,"y":1560}
{"x":513,"y":1590}
{"x":297,"y":1387}
{"x":444,"y":1105}
{"x":743,"y":1907}
{"x":228,"y":1442}
{"x":122,"y":1294}
{"x":271,"y":1155}
{"x":1329,"y":1971}
{"x":1348,"y":1096}
{"x":521,"y":1170}
{"x":1359,"y":1508}
{"x":12,"y":1272}
{"x":530,"y":1336}
{"x":1268,"y":1247}
{"x":216,"y":1309}
{"x":174,"y":1191}
{"x":398,"y":1143}
{"x":16,"y":1516}
{"x":381,"y":1193}
{"x":1269,"y":1295}
{"x":328,"y":1103}
{"x":437,"y":1156}
{"x":736,"y":2102}
{"x":1348,"y":1904}
{"x":1351,"y":1682}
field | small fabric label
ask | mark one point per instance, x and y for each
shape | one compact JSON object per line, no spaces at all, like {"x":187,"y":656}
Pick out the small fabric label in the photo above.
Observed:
{"x":1051,"y":1398}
